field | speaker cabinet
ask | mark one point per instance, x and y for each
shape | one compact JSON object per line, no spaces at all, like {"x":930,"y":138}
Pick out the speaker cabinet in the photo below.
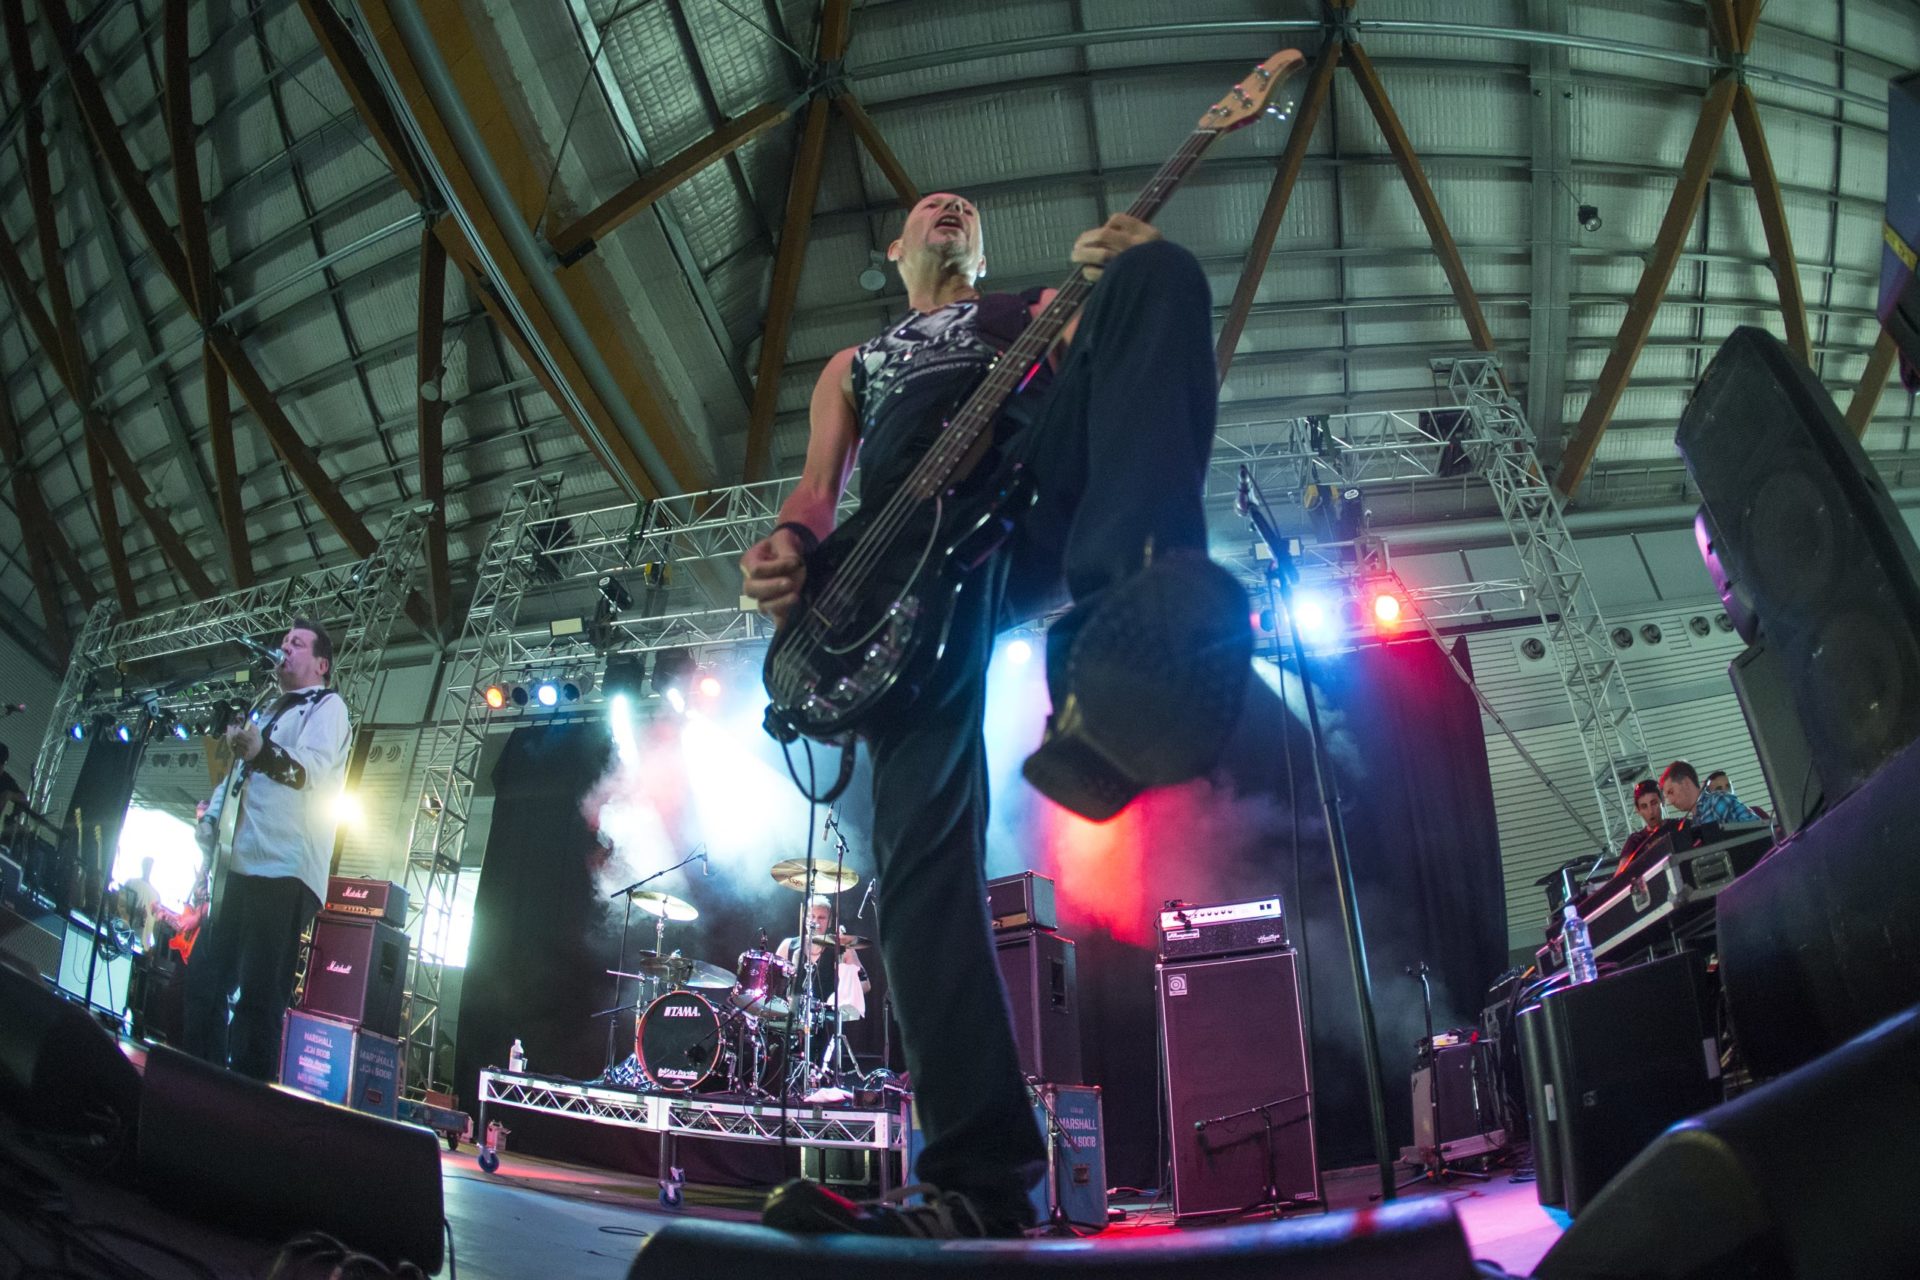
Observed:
{"x":1543,"y":1113}
{"x":1773,"y":722}
{"x":1042,"y":987}
{"x":1239,"y":1094}
{"x":1811,"y":551}
{"x":1469,"y":1121}
{"x":357,"y":972}
{"x":1812,"y":1175}
{"x":1626,"y":1056}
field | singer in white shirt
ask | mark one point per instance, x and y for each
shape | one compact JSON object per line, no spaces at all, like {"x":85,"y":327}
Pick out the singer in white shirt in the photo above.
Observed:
{"x":295,"y":767}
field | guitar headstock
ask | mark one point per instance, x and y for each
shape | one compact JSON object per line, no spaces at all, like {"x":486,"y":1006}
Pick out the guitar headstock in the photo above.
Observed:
{"x":1252,"y":95}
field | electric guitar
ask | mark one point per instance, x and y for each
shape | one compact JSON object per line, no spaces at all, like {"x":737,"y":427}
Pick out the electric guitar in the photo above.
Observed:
{"x":878,"y":599}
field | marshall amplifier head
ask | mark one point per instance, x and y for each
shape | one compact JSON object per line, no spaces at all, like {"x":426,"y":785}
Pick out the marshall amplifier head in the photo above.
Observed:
{"x":378,"y":899}
{"x":1223,"y":929}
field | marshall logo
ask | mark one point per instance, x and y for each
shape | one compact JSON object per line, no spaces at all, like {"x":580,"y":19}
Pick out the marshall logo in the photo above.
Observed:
{"x":348,"y":891}
{"x":335,"y":966}
{"x":680,"y":1011}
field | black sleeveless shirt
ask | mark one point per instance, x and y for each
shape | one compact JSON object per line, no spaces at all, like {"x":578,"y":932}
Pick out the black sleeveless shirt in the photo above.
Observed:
{"x":912,"y":377}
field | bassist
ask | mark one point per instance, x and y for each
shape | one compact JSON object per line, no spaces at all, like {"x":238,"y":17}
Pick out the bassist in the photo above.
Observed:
{"x":1115,"y":432}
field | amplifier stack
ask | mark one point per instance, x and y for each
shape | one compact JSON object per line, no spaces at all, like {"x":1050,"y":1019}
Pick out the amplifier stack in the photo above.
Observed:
{"x":1239,"y":1091}
{"x":341,"y":1040}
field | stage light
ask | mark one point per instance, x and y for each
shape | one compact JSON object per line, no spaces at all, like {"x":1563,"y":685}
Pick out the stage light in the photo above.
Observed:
{"x":77,"y":731}
{"x":1316,"y":622}
{"x":1387,"y":607}
{"x":574,"y":688}
{"x":347,"y":810}
{"x":496,"y":697}
{"x":548,"y":693}
{"x":676,"y":699}
{"x":1019,"y":650}
{"x":180,"y":732}
{"x":626,"y":674}
{"x":122,"y":733}
{"x":1589,"y":216}
{"x":710,"y":686}
{"x":517,"y":694}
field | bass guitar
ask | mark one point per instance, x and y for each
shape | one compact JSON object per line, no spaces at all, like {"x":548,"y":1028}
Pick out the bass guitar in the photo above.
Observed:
{"x":878,"y":600}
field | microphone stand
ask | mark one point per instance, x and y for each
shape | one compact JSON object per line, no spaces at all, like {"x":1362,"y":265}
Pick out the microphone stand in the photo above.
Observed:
{"x":1282,"y":576}
{"x":612,"y":1013}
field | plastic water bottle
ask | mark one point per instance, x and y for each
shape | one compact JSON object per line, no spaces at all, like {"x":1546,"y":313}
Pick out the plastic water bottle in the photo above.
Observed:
{"x":517,"y":1056}
{"x":1579,"y":947}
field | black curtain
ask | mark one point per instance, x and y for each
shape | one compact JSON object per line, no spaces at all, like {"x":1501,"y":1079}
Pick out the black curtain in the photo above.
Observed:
{"x":100,"y":798}
{"x":1408,"y":747}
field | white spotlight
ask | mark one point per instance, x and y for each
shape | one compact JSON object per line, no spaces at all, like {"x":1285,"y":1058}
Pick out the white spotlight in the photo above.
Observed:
{"x":1019,"y":650}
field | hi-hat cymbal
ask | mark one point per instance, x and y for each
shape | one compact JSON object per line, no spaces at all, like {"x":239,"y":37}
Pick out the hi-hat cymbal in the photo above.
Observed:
{"x":792,"y":874}
{"x":844,"y":940}
{"x":655,"y":903}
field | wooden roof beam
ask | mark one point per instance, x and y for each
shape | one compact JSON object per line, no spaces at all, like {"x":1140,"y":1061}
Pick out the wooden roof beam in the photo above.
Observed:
{"x":1408,"y":160}
{"x":167,"y":253}
{"x":870,"y":137}
{"x":790,"y":256}
{"x":578,"y":237}
{"x":1604,"y":397}
{"x":431,"y":414}
{"x":1873,"y":381}
{"x":1306,"y":118}
{"x":32,"y":510}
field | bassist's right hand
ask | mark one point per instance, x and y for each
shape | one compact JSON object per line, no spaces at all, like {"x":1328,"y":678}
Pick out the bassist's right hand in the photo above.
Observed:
{"x":775,"y":570}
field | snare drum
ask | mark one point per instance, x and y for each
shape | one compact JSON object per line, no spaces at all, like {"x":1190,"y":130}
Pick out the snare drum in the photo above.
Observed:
{"x":678,"y":1042}
{"x":763,"y":984}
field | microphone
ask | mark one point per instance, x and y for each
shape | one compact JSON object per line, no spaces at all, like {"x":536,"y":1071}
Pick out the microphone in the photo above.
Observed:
{"x":1243,"y":493}
{"x":706,"y":866}
{"x":271,"y":656}
{"x":866,"y":898}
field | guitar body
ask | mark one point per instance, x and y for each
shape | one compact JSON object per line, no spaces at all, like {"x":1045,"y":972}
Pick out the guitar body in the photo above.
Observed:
{"x":830,"y":669}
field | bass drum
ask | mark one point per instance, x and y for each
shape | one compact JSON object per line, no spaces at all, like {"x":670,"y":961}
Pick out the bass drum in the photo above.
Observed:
{"x":678,"y":1042}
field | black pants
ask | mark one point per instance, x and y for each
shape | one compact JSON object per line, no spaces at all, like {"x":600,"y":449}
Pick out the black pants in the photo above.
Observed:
{"x":250,"y":947}
{"x":1119,"y":452}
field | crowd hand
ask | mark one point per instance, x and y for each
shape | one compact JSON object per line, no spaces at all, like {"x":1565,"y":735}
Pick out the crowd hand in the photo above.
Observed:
{"x":244,"y":739}
{"x":774,"y":570}
{"x":1101,"y":245}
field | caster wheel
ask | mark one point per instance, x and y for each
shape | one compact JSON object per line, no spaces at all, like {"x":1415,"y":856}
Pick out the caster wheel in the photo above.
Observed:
{"x":671,"y":1196}
{"x":489,"y":1161}
{"x":453,"y":1141}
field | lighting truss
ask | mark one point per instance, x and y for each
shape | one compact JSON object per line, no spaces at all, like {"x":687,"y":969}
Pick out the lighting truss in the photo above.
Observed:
{"x":883,"y":1132}
{"x":449,"y":753}
{"x":1604,"y":717}
{"x":368,"y":594}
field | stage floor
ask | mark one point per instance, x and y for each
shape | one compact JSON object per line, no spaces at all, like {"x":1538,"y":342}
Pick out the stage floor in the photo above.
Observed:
{"x":537,"y":1216}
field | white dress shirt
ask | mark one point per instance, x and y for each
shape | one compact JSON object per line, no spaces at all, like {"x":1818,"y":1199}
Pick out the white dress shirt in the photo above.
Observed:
{"x":287,"y":817}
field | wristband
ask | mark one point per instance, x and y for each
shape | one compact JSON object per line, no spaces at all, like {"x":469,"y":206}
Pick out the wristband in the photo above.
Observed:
{"x":809,"y":540}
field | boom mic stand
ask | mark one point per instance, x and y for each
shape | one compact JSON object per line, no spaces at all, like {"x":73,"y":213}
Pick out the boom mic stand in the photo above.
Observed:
{"x":612,"y":1013}
{"x":1283,"y":574}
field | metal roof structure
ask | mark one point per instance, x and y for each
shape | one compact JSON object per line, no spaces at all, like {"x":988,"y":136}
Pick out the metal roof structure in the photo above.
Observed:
{"x":274,"y":269}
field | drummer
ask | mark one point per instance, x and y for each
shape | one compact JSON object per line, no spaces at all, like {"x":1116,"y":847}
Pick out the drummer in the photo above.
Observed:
{"x":849,"y":985}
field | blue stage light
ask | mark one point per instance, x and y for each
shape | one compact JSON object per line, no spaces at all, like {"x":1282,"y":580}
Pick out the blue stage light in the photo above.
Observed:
{"x":548,"y":693}
{"x":1315,"y":617}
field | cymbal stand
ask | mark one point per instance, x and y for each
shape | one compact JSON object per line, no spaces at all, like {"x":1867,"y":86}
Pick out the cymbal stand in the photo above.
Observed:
{"x":839,"y":1050}
{"x":626,"y":921}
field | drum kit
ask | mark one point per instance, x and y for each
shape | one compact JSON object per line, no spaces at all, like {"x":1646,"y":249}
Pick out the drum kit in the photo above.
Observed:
{"x":749,"y":1031}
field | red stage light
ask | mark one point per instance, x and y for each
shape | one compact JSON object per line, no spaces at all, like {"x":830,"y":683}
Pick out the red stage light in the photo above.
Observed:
{"x":709,"y":686}
{"x":1386,"y":608}
{"x":496,"y":697}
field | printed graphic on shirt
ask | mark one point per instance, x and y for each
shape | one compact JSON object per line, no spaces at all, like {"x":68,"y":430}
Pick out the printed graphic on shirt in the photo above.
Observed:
{"x":921,"y":348}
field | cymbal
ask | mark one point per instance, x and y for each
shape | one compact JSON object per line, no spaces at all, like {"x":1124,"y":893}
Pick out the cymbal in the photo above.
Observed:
{"x":853,"y":940}
{"x":680,"y":971}
{"x":665,"y":905}
{"x":708,"y":976}
{"x":791,"y":873}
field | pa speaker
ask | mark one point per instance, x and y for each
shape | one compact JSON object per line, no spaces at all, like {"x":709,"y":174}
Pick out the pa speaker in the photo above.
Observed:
{"x":1813,"y":1175}
{"x":1043,"y":992}
{"x":1761,"y":682}
{"x":272,"y":1163}
{"x":1626,"y":1057}
{"x":1406,"y":1240}
{"x":1821,"y":939}
{"x":59,"y":1069}
{"x":1239,"y":1097}
{"x":1810,"y":548}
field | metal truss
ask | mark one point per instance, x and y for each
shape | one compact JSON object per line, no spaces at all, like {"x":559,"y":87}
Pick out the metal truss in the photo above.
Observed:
{"x":880,"y":1131}
{"x":1502,"y":450}
{"x":367,"y":593}
{"x":1396,"y":446}
{"x":450,"y":750}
